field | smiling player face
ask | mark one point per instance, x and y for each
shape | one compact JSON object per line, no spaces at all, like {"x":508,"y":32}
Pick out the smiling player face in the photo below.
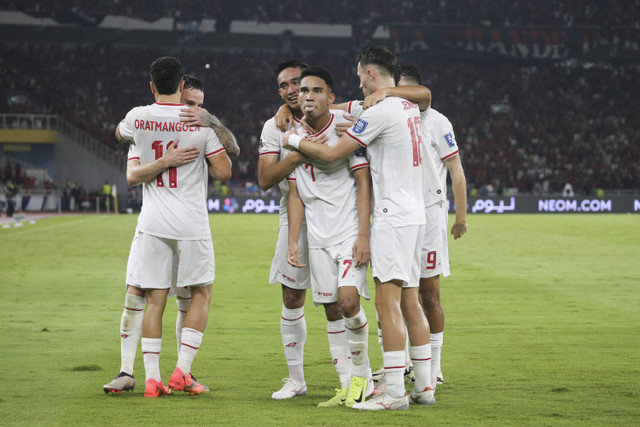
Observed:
{"x":289,"y":86}
{"x":193,"y":97}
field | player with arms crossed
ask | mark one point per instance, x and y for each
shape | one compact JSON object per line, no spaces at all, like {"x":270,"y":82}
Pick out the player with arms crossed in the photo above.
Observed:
{"x":441,"y":145}
{"x":135,"y":300}
{"x":390,"y":131}
{"x":173,"y":224}
{"x":335,"y":199}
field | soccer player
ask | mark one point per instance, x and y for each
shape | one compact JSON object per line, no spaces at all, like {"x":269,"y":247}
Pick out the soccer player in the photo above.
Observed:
{"x":335,"y":199}
{"x":441,"y":145}
{"x":274,"y":165}
{"x":390,"y":130}
{"x":173,"y":224}
{"x":131,"y":321}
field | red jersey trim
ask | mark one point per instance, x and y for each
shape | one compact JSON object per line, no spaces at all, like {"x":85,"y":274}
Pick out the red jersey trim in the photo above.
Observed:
{"x":133,"y":158}
{"x":295,"y":119}
{"x":357,"y":140}
{"x":167,"y":103}
{"x":291,"y":179}
{"x":269,"y":153}
{"x":450,"y":155}
{"x":326,"y":127}
{"x":213,"y":153}
{"x":349,"y":107}
{"x":360,"y":166}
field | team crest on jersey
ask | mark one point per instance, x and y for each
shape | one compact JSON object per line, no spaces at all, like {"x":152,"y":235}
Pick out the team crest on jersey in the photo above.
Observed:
{"x":360,"y":126}
{"x":449,"y":138}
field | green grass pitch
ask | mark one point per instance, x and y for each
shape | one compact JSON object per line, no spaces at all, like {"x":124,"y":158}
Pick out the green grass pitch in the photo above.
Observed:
{"x":542,"y":328}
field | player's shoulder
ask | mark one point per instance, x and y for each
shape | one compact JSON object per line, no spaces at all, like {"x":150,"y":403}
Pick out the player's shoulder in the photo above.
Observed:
{"x":136,"y":111}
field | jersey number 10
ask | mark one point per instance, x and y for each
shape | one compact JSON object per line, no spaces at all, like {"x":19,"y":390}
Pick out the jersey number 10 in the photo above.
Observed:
{"x":173,"y":173}
{"x":414,"y":127}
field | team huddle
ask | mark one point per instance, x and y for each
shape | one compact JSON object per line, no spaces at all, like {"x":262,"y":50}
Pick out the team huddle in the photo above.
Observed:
{"x":362,"y":183}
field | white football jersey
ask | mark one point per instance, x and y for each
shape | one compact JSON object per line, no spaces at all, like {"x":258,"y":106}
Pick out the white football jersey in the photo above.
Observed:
{"x":391,"y":132}
{"x":272,"y":144}
{"x":443,"y":142}
{"x":434,"y":190}
{"x":328,"y":191}
{"x":175,"y":202}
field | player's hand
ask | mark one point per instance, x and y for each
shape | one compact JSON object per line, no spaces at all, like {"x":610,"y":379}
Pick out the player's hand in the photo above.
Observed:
{"x":319,"y":139}
{"x":341,"y":128}
{"x":458,"y":229}
{"x":175,"y":156}
{"x":374,"y":98}
{"x":285,"y":139}
{"x":298,"y":157}
{"x":304,"y":125}
{"x":361,"y":252}
{"x":293,"y":256}
{"x":284,"y":118}
{"x":197,"y":116}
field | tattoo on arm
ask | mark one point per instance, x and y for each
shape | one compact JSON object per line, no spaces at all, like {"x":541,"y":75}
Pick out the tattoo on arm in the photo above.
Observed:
{"x":227,"y":139}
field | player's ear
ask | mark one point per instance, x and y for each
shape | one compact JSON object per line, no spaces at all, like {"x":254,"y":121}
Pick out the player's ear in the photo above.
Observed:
{"x":181,"y":88}
{"x":153,"y":88}
{"x":332,"y":98}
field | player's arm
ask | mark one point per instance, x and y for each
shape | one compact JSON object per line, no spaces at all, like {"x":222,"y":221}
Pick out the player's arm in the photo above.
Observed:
{"x":295,"y":213}
{"x":219,"y":166}
{"x":342,"y":148}
{"x":119,"y":136}
{"x":271,"y":171}
{"x":459,"y":187}
{"x":197,"y":116}
{"x":415,"y":93}
{"x":361,"y":252}
{"x":137,"y":173}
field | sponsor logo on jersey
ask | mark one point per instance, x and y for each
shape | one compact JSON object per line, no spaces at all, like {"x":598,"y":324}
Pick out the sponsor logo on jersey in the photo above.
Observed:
{"x":360,"y":152}
{"x":289,"y":278}
{"x":360,"y":126}
{"x":449,"y":138}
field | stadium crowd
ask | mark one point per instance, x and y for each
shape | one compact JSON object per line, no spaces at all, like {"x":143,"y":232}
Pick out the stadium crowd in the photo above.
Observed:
{"x":529,"y":128}
{"x":498,"y":12}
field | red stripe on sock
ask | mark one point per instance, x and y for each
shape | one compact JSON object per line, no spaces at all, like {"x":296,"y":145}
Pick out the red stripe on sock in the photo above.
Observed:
{"x":366,"y":323}
{"x":420,"y":360}
{"x":192,"y":330}
{"x":133,"y":309}
{"x":150,"y":352}
{"x":394,"y":367}
{"x":291,"y":320}
{"x":195,"y":348}
{"x":338,"y":332}
{"x":181,"y":311}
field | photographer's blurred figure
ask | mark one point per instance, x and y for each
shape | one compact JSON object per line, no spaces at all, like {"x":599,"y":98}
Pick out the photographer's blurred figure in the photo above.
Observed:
{"x":10,"y":192}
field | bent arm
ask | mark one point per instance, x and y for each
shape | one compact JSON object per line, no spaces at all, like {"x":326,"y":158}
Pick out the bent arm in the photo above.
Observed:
{"x":363,"y":202}
{"x":219,"y":166}
{"x":343,"y":147}
{"x":138,"y":173}
{"x":459,"y":187}
{"x":415,"y":93}
{"x":271,"y":171}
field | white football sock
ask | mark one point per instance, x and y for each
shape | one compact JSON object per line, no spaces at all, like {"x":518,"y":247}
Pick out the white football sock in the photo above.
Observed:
{"x":421,"y":358}
{"x":130,"y":330}
{"x":394,"y":372}
{"x":436,"y":349}
{"x":380,"y":340}
{"x":190,"y":343}
{"x":358,"y":336}
{"x":293,"y":330}
{"x":183,"y":306}
{"x":407,"y":356}
{"x":151,"y":354}
{"x":339,"y":349}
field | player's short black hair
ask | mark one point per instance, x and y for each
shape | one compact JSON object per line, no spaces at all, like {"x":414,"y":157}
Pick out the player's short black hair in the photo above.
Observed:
{"x":380,"y":56}
{"x":409,"y":72}
{"x":319,"y":72}
{"x":166,"y":74}
{"x":192,"y":82}
{"x":290,"y":63}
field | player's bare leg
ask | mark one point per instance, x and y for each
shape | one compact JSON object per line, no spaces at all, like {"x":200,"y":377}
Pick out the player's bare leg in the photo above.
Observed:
{"x":357,"y":329}
{"x":293,"y":330}
{"x":420,"y":349}
{"x":130,"y":332}
{"x":195,"y":323}
{"x":152,"y":341}
{"x":430,"y":298}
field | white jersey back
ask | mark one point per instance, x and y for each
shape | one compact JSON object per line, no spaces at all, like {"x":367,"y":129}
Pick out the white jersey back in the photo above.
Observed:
{"x":443,"y":143}
{"x":272,"y":144}
{"x":328,"y":191}
{"x":391,"y":132}
{"x":434,"y":189}
{"x":174,"y":203}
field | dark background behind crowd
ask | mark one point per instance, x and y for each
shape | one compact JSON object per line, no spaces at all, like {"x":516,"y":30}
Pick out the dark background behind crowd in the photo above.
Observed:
{"x":529,"y":127}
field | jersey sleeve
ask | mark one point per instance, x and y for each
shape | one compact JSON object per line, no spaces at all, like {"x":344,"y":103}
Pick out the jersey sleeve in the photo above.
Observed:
{"x":445,"y":139}
{"x":354,"y":108}
{"x":134,"y":152}
{"x":214,"y":146}
{"x":269,"y":139}
{"x":370,"y":124}
{"x":127,"y":124}
{"x":358,"y":159}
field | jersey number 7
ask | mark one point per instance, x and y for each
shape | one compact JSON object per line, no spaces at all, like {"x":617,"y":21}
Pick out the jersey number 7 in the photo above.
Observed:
{"x":173,"y":173}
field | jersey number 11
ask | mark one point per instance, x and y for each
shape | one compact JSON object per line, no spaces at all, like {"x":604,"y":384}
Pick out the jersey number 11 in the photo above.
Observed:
{"x":173,"y":173}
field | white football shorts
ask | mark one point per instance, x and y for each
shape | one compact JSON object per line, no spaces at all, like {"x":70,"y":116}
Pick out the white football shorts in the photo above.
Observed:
{"x":281,"y":270}
{"x":395,"y":253}
{"x":152,"y":261}
{"x":435,"y":250}
{"x":333,"y":267}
